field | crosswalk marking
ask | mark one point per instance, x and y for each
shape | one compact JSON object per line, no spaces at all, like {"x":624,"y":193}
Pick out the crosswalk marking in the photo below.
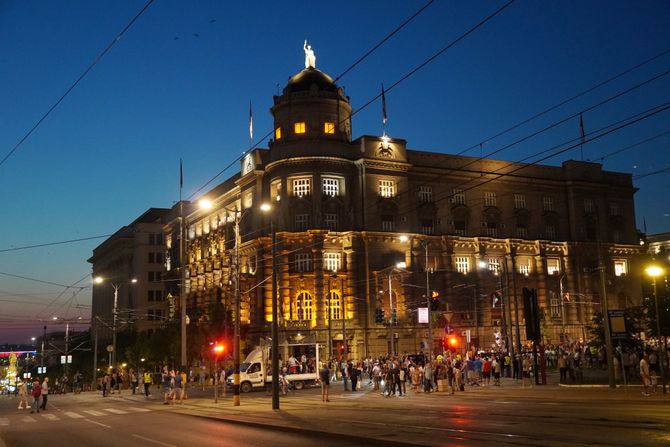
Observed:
{"x":94,"y":413}
{"x":73,"y":415}
{"x":138,"y":409}
{"x":28,"y":419}
{"x":51,"y":417}
{"x":115,"y":411}
{"x":4,"y":421}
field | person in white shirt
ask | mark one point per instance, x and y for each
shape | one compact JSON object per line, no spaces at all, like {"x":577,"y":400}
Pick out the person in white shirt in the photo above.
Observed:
{"x":45,"y":392}
{"x":645,"y":374}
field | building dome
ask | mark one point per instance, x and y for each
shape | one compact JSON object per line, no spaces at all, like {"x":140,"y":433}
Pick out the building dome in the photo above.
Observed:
{"x":304,"y":80}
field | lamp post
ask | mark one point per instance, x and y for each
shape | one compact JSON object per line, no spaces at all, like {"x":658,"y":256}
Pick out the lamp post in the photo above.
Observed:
{"x":116,"y":287}
{"x":655,"y":271}
{"x":425,"y":244}
{"x":399,"y":265}
{"x":267,"y":208}
{"x":182,"y":281}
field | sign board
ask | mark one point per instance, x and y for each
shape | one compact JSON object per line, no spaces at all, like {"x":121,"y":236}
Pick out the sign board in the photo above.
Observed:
{"x":617,"y":322}
{"x":423,"y":315}
{"x":65,"y":359}
{"x":41,"y":370}
{"x":448,"y":315}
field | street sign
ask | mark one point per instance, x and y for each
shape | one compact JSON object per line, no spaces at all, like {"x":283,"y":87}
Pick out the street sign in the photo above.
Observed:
{"x":447,"y":315}
{"x":41,"y":370}
{"x":617,"y":322}
{"x":110,"y":348}
{"x":423,"y":315}
{"x":65,"y":359}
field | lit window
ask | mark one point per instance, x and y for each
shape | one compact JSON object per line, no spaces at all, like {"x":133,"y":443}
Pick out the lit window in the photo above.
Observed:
{"x":493,"y":264}
{"x":331,"y":262}
{"x":554,"y":304}
{"x":303,"y":307}
{"x":335,"y":306}
{"x":547,"y":204}
{"x":519,"y":201}
{"x":331,"y":187}
{"x":620,"y":267}
{"x":328,"y":127}
{"x":425,"y":194}
{"x":458,"y":197}
{"x":553,"y":266}
{"x":299,"y":127}
{"x":462,"y":264}
{"x":278,"y":133}
{"x":275,"y":190}
{"x":302,"y":187}
{"x":386,"y":188}
{"x":589,"y":206}
{"x":331,"y":221}
{"x":301,"y":222}
{"x":303,"y":262}
{"x":489,"y":199}
{"x":524,"y":267}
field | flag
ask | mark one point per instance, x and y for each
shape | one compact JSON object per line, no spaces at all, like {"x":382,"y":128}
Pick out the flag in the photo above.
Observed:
{"x":384,"y":118}
{"x":582,"y":135}
{"x":251,"y":125}
{"x":181,"y":175}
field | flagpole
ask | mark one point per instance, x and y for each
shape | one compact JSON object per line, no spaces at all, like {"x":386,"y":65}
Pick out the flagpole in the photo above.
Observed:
{"x":582,"y":136}
{"x":251,"y":126}
{"x":384,"y":117}
{"x":182,"y":270}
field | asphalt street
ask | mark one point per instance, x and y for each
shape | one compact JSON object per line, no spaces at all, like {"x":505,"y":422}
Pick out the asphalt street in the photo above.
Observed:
{"x":509,"y":415}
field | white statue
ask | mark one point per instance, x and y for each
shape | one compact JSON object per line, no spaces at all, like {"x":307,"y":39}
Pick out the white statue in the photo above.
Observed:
{"x":310,"y":58}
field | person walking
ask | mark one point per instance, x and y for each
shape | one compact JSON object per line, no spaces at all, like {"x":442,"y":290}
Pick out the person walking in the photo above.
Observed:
{"x":167,"y":385}
{"x":645,"y":374}
{"x":345,"y":374}
{"x":45,"y":392}
{"x":147,"y":384}
{"x":23,"y":396}
{"x":36,"y":393}
{"x":134,"y":380}
{"x":353,"y":374}
{"x":428,"y":378}
{"x":324,"y":378}
{"x":178,"y":388}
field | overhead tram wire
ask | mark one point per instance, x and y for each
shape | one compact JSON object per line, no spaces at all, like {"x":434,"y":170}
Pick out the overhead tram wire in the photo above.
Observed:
{"x":631,"y":146}
{"x":376,"y":97}
{"x":649,"y":174}
{"x":79,"y":79}
{"x":565,"y":101}
{"x":49,"y":244}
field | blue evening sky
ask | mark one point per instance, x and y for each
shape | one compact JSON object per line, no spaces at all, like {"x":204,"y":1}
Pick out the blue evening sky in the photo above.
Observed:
{"x":178,"y":85}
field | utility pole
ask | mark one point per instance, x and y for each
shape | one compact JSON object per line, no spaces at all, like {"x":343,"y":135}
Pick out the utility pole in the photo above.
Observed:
{"x":236,"y":336}
{"x":114,"y":316}
{"x":182,"y":282}
{"x":275,"y":324}
{"x":391,"y":335}
{"x":95,"y":353}
{"x":44,"y":337}
{"x":428,"y":296}
{"x":344,"y":321}
{"x":330,"y":319}
{"x":606,"y":318}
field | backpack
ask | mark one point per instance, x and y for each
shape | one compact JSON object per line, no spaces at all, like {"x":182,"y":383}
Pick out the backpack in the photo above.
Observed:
{"x":37,"y":390}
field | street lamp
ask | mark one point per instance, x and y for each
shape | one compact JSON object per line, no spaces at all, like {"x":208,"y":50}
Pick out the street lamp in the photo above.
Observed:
{"x":655,"y":271}
{"x":116,"y":287}
{"x":267,"y":209}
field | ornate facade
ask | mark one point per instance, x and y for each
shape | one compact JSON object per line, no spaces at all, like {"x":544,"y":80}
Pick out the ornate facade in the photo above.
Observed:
{"x":483,"y":229}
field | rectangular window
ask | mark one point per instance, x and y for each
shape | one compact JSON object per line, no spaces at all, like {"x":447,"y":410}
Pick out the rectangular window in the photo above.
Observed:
{"x":158,"y":294}
{"x":278,"y":133}
{"x":275,"y":190}
{"x":299,"y":127}
{"x":151,"y":258}
{"x":489,"y":199}
{"x":462,"y":264}
{"x":589,"y":206}
{"x":159,"y":258}
{"x":150,"y":276}
{"x":302,"y":187}
{"x":152,"y":238}
{"x":328,"y":127}
{"x":620,"y":267}
{"x":547,"y":203}
{"x":458,"y":197}
{"x":386,"y":188}
{"x":493,"y":264}
{"x":616,"y":236}
{"x":303,"y":262}
{"x":615,"y":209}
{"x":553,"y":266}
{"x":301,"y":222}
{"x":331,"y":262}
{"x":550,"y":232}
{"x":427,"y":226}
{"x":331,"y":187}
{"x":491,"y":229}
{"x":331,"y":221}
{"x":554,"y":304}
{"x":459,"y":227}
{"x":521,"y":231}
{"x":524,"y":267}
{"x":425,"y":194}
{"x":520,"y":201}
{"x":388,"y":224}
{"x":150,"y":295}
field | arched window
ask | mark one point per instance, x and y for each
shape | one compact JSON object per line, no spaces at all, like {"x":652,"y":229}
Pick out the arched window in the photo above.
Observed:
{"x":335,"y":306}
{"x":303,"y":306}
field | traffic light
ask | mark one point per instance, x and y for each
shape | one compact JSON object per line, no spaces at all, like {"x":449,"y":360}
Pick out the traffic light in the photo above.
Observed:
{"x":394,"y":316}
{"x":218,"y":348}
{"x":379,"y":315}
{"x":451,"y":342}
{"x":435,"y":300}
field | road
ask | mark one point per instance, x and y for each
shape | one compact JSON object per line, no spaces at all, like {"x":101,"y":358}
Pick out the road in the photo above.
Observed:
{"x":510,"y":415}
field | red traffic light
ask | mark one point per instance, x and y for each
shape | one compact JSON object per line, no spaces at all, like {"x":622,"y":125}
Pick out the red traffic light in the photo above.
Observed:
{"x":218,"y":348}
{"x":453,"y":342}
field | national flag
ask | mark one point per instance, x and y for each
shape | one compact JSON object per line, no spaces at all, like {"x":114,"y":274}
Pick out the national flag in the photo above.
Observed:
{"x":582,"y":135}
{"x":251,"y":125}
{"x":384,"y":118}
{"x":181,"y":175}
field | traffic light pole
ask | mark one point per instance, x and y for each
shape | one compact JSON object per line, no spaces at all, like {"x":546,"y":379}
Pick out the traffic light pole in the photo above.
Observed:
{"x":391,"y":336}
{"x":428,"y":296}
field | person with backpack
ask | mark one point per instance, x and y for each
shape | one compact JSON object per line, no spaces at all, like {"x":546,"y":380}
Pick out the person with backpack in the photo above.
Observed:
{"x":36,"y":393}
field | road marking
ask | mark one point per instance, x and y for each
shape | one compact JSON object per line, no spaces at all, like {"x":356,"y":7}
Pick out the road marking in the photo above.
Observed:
{"x":73,"y":415}
{"x":154,"y":441}
{"x":94,"y":413}
{"x":51,"y":417}
{"x":4,"y":421}
{"x":28,"y":419}
{"x":98,"y":423}
{"x":138,"y":409}
{"x":115,"y":411}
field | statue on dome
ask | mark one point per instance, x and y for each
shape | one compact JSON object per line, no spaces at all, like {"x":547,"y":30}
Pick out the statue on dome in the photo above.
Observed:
{"x":310,"y":58}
